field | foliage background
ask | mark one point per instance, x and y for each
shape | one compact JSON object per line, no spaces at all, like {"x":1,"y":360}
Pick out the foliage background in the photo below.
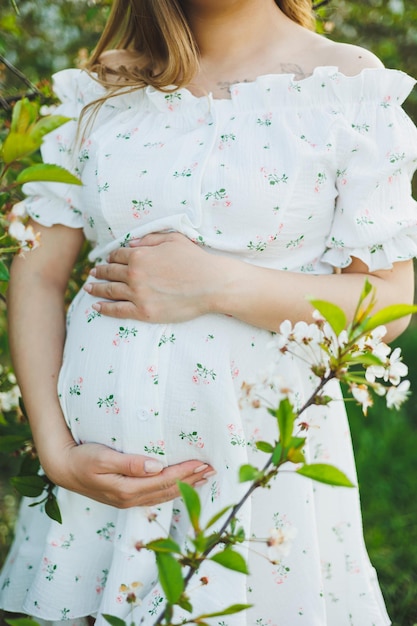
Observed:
{"x":48,"y":36}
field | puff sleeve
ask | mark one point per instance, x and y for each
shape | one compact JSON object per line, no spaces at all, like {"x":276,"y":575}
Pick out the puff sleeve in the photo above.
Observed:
{"x":58,"y":203}
{"x":375,"y":216}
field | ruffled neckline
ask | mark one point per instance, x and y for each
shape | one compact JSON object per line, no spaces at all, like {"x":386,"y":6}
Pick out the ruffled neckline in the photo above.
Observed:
{"x":325,"y":85}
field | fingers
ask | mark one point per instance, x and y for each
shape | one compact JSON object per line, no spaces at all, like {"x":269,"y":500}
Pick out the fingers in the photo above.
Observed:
{"x":155,"y":239}
{"x":127,"y":480}
{"x":109,"y":290}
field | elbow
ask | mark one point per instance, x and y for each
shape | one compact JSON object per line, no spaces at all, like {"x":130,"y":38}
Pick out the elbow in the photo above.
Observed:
{"x":396,"y":328}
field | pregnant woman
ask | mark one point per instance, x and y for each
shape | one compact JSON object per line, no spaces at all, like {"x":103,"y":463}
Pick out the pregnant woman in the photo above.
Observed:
{"x":233,"y":161}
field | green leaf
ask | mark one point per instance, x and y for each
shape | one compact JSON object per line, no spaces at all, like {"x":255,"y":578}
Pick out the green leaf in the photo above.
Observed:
{"x":234,"y":608}
{"x":297,"y":442}
{"x":164,"y":545}
{"x":277,"y":454}
{"x":232,"y":560}
{"x":21,"y":621}
{"x":52,"y":509}
{"x":170,"y":576}
{"x":217,"y":516}
{"x":4,"y":197}
{"x":47,"y":172}
{"x":23,"y":115}
{"x":265,"y":446}
{"x":285,"y":416}
{"x":113,"y":620}
{"x":46,"y":125}
{"x":248,"y":473}
{"x":184,"y":603}
{"x":364,"y":359}
{"x":192,"y":502}
{"x":324,"y":473}
{"x":332,"y":313}
{"x":30,"y":466}
{"x":389,"y":314}
{"x":11,"y":443}
{"x":17,"y":146}
{"x":31,"y":486}
{"x":4,"y":272}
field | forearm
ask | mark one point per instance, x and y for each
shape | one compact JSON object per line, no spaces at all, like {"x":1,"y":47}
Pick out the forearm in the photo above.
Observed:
{"x":37,"y":333}
{"x":265,"y":297}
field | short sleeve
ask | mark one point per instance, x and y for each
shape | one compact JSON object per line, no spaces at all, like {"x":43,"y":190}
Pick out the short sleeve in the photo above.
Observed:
{"x":375,"y":216}
{"x":58,"y":203}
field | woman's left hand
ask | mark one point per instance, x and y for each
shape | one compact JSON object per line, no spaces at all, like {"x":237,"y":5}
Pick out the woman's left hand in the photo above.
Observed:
{"x":161,"y":278}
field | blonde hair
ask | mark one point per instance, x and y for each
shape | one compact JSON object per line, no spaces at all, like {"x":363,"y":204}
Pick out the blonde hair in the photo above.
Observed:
{"x":158,"y":33}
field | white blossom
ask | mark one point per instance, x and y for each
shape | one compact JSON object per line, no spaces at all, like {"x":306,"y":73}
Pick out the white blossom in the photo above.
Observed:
{"x":18,"y":211}
{"x":279,"y":543}
{"x":9,"y":400}
{"x":397,"y":395}
{"x":362,"y":396}
{"x":267,"y":391}
{"x":396,"y":368}
{"x":25,"y":235}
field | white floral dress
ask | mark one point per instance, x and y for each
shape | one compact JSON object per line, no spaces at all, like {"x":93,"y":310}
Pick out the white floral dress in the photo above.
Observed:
{"x":296,"y":176}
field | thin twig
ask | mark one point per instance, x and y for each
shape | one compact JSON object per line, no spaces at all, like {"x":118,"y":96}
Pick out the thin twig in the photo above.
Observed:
{"x":5,"y":101}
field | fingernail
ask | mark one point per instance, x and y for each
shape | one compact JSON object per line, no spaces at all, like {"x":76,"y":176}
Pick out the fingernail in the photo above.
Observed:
{"x":200,"y":468}
{"x":87,"y":287}
{"x":200,"y":483}
{"x":96,"y":306}
{"x":151,"y":466}
{"x":93,"y":271}
{"x":208,"y":474}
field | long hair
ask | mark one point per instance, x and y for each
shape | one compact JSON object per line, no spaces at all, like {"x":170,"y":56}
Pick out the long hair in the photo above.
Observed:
{"x":158,"y":33}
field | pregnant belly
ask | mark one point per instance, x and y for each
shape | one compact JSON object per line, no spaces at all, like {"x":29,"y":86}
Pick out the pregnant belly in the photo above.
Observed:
{"x":162,"y":390}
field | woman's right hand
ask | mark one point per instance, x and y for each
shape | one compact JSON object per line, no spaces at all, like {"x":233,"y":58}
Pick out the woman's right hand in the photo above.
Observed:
{"x":124,"y":480}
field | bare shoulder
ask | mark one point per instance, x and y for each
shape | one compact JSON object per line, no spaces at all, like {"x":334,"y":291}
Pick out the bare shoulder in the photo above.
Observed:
{"x":350,"y":59}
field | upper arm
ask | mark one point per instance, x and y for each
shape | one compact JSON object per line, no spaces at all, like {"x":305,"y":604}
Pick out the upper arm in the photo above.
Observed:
{"x":55,"y":257}
{"x":399,"y":279}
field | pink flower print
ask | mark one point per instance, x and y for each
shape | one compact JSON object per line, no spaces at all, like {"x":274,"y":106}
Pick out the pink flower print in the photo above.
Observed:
{"x":234,"y":371}
{"x":351,"y":566}
{"x":128,"y":134}
{"x":153,"y":373}
{"x":186,"y":172}
{"x":172,"y":100}
{"x":155,"y":448}
{"x":141,"y":207}
{"x":320,"y":180}
{"x":236,"y":436}
{"x":341,"y":176}
{"x":203,"y":375}
{"x":265,"y":120}
{"x":123,"y":334}
{"x":76,"y":388}
{"x":109,"y":404}
{"x":49,"y":568}
{"x":273,"y":177}
{"x":193,"y":439}
{"x":219,"y":198}
{"x":176,"y":515}
{"x":280,"y":573}
{"x":310,"y":143}
{"x":226,"y":140}
{"x":386,"y":102}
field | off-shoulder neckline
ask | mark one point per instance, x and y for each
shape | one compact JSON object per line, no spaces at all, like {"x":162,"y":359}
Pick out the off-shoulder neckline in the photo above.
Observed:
{"x":369,"y":83}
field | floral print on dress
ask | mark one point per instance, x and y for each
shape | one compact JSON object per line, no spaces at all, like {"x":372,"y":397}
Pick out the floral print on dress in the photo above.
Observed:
{"x":290,"y":175}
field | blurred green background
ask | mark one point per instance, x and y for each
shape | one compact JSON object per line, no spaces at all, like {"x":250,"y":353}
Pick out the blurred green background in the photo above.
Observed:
{"x":48,"y":36}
